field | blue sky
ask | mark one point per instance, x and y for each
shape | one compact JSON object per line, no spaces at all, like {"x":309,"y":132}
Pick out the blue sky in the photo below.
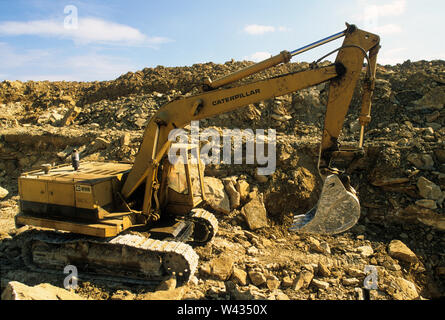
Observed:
{"x":89,"y":40}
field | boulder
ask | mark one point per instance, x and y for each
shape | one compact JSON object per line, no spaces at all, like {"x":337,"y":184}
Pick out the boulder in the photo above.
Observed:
{"x":255,"y":213}
{"x":434,"y":99}
{"x":234,"y":195}
{"x":303,"y":280}
{"x":350,"y":282}
{"x":428,"y":189}
{"x":365,"y":251}
{"x":257,"y":277}
{"x":243,"y":187}
{"x":397,"y":249}
{"x":3,"y":193}
{"x":239,"y":276}
{"x":174,"y":294}
{"x":320,"y":284}
{"x":19,"y":291}
{"x":323,"y":270}
{"x":216,"y":195}
{"x":221,"y":267}
{"x":404,"y":289}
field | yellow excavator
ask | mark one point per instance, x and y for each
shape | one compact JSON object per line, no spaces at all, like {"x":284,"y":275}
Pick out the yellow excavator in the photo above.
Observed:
{"x":93,"y":207}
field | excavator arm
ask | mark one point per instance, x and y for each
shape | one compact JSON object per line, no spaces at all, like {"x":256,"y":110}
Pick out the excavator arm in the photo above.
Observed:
{"x":342,"y":76}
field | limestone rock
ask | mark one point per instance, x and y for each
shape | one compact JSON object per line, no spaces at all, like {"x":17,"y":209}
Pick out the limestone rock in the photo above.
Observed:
{"x":320,"y":284}
{"x":397,"y":249}
{"x":303,"y":280}
{"x":354,"y":272}
{"x":216,"y":195}
{"x":365,"y":251}
{"x":320,"y":247}
{"x":350,"y":281}
{"x":257,"y":277}
{"x":404,"y":289}
{"x":426,"y":203}
{"x":239,"y":276}
{"x":433,"y":99}
{"x":99,"y":144}
{"x":323,"y":269}
{"x":255,"y":214}
{"x":280,"y":295}
{"x":174,"y":294}
{"x":428,"y":189}
{"x":3,"y":193}
{"x":243,"y":187}
{"x":287,"y":282}
{"x":234,"y":195}
{"x":221,"y":267}
{"x":125,"y":139}
{"x":421,"y":161}
{"x":19,"y":291}
{"x":272,"y":283}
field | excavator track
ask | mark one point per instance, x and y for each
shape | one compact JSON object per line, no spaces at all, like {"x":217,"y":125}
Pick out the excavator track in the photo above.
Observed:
{"x":205,"y":226}
{"x":129,"y":258}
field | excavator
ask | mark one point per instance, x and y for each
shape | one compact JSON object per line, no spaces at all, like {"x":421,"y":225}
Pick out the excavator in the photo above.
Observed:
{"x":141,"y":220}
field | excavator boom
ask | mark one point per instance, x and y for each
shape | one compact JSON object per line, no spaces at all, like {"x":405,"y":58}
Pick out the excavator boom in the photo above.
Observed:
{"x":342,"y":76}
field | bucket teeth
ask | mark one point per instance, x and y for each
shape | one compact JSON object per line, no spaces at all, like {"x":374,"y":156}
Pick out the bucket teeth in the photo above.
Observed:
{"x":337,"y":210}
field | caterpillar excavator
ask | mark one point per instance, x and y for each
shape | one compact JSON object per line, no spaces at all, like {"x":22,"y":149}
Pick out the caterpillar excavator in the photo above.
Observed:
{"x":140,"y":221}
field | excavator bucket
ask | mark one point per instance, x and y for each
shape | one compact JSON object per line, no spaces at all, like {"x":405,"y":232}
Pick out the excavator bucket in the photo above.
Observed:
{"x":337,"y":210}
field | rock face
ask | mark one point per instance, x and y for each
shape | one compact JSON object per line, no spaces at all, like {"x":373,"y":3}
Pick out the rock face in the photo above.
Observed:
{"x":255,"y":214}
{"x":19,"y":291}
{"x":397,"y":249}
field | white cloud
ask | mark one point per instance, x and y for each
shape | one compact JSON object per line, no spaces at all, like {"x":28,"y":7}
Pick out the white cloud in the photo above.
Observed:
{"x":395,"y":8}
{"x":258,"y":56}
{"x":371,"y":15}
{"x":392,"y":56}
{"x":53,"y":65}
{"x":387,"y":29}
{"x":89,"y":30}
{"x":283,"y":29}
{"x":256,"y":29}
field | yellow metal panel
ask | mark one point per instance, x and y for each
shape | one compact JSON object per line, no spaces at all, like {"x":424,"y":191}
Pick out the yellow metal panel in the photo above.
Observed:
{"x":84,"y":196}
{"x":97,"y":230}
{"x":33,"y":190}
{"x":61,"y":194}
{"x":102,"y":193}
